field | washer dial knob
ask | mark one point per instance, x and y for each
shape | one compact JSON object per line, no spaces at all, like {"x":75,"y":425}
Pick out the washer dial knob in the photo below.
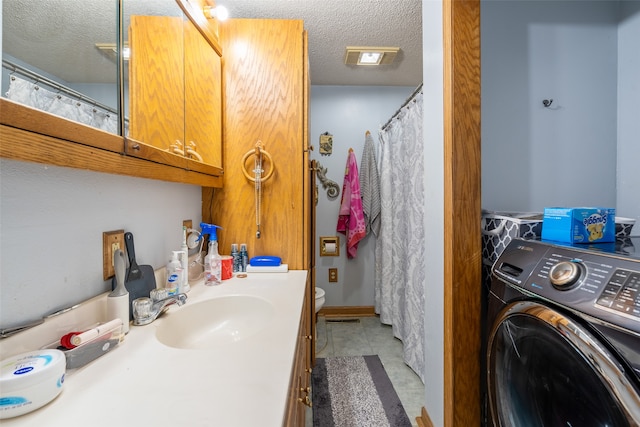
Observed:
{"x":565,"y":274}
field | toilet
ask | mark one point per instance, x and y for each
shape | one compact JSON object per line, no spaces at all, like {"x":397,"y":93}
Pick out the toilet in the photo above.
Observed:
{"x":319,"y":298}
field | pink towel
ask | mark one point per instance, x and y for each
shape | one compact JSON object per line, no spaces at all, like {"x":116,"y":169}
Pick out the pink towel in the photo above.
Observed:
{"x":351,"y":217}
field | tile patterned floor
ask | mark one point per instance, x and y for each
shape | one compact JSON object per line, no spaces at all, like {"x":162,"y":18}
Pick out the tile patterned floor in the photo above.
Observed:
{"x":366,"y":337}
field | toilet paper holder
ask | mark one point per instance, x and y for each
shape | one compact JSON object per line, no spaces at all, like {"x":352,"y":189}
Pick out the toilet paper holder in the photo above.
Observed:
{"x":330,"y":246}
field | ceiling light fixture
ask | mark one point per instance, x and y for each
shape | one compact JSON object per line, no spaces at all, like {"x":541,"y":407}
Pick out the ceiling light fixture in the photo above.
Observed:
{"x":359,"y":55}
{"x":219,"y":12}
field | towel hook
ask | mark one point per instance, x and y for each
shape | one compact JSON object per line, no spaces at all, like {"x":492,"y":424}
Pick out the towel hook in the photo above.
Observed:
{"x":258,"y":151}
{"x":258,"y":178}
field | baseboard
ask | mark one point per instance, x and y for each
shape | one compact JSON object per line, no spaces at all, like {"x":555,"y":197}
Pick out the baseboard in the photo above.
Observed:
{"x":423,"y":420}
{"x":347,"y":311}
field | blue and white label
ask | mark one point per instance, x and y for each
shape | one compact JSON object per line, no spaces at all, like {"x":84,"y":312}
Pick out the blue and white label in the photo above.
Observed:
{"x":11,"y":401}
{"x":24,"y":370}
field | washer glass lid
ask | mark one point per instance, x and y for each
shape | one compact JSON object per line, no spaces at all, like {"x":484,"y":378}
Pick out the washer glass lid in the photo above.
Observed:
{"x":544,"y":370}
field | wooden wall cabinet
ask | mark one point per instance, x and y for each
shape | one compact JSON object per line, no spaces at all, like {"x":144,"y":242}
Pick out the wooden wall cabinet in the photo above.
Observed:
{"x":31,"y":135}
{"x":175,"y":95}
{"x":265,"y":89}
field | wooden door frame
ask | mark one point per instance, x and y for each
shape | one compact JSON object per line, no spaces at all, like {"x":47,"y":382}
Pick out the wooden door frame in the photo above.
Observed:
{"x":462,"y":208}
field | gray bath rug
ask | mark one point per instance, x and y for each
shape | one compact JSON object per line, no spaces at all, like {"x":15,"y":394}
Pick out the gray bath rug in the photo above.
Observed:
{"x":355,"y":391}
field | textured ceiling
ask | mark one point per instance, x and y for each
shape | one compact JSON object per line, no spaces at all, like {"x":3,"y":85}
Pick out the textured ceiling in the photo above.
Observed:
{"x":59,"y":36}
{"x":334,"y":24}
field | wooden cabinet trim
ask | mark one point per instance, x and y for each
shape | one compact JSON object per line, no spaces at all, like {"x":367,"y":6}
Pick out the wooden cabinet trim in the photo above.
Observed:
{"x":24,"y":145}
{"x":30,"y":119}
{"x":148,"y":152}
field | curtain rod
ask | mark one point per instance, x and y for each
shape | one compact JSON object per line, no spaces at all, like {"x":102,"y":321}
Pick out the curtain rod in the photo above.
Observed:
{"x":52,"y":83}
{"x":408,"y":100}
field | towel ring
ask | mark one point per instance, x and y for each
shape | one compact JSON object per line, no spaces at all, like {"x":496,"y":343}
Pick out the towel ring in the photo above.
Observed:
{"x":258,"y":151}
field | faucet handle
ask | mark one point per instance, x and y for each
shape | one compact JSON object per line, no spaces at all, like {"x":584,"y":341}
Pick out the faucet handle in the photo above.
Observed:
{"x":142,"y":307}
{"x":159,"y":294}
{"x":181,"y":298}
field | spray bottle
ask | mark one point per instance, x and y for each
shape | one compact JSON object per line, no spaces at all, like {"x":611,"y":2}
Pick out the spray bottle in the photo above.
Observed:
{"x":213,"y":261}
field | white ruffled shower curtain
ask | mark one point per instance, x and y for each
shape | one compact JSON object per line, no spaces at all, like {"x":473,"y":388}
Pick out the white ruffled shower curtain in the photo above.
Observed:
{"x":400,"y":248}
{"x":34,"y":95}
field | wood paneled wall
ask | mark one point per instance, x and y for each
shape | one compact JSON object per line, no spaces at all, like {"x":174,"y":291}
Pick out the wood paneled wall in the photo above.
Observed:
{"x":264,"y":99}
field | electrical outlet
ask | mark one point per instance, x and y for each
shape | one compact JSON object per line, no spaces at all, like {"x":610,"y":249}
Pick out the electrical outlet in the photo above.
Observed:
{"x":111,"y":241}
{"x":333,"y":275}
{"x":187,"y":223}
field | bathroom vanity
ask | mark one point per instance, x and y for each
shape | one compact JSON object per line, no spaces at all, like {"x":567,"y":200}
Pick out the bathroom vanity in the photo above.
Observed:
{"x":243,"y":367}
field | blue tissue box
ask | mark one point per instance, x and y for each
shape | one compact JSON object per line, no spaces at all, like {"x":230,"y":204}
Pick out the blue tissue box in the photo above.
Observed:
{"x":579,"y":225}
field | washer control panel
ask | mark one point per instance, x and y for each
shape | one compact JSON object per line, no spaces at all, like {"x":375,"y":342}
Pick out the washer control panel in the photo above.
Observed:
{"x":622,"y":293}
{"x":602,"y":285}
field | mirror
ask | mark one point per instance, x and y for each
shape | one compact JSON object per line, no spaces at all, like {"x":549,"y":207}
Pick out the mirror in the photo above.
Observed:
{"x":59,"y":56}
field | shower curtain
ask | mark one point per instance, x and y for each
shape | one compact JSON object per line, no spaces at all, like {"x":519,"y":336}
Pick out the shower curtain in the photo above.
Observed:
{"x":34,"y":95}
{"x":400,"y":248}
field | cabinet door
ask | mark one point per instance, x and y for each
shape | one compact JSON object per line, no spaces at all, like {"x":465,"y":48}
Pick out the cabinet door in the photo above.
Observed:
{"x":156,"y":80}
{"x":263,"y":82}
{"x":203,"y":99}
{"x":300,"y":383}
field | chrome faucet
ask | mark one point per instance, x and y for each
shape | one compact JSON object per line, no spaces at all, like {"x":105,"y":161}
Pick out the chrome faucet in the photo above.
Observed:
{"x":146,"y":310}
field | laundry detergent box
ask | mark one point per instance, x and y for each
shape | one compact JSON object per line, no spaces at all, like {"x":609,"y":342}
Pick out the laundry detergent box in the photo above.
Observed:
{"x":579,"y":225}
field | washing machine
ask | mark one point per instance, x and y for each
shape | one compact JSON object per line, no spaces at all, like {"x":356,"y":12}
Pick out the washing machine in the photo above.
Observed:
{"x":563,"y":335}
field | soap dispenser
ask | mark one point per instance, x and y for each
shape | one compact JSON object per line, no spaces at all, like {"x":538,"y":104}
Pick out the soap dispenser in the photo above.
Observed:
{"x":213,"y":261}
{"x":174,"y":274}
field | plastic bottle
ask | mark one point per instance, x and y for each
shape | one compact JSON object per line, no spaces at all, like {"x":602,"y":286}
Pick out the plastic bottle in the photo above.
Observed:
{"x":183,"y":287}
{"x":174,"y":274}
{"x":184,"y":261}
{"x":237,"y":262}
{"x":244,"y":257}
{"x":213,"y":261}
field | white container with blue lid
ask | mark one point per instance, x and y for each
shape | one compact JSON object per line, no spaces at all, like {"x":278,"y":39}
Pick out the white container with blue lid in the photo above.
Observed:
{"x":30,"y":380}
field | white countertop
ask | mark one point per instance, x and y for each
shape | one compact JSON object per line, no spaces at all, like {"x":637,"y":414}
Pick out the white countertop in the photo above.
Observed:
{"x":142,"y":382}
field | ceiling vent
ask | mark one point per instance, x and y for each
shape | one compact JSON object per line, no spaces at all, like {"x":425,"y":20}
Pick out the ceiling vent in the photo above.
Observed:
{"x":364,"y":55}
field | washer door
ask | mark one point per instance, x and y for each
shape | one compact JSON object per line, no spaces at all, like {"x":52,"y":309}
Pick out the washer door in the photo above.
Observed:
{"x":546,"y":370}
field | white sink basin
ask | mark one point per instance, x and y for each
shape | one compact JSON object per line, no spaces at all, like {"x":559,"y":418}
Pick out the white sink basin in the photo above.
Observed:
{"x":210,"y":323}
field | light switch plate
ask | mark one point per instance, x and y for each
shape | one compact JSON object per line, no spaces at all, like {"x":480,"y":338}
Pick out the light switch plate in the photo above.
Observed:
{"x":111,"y":241}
